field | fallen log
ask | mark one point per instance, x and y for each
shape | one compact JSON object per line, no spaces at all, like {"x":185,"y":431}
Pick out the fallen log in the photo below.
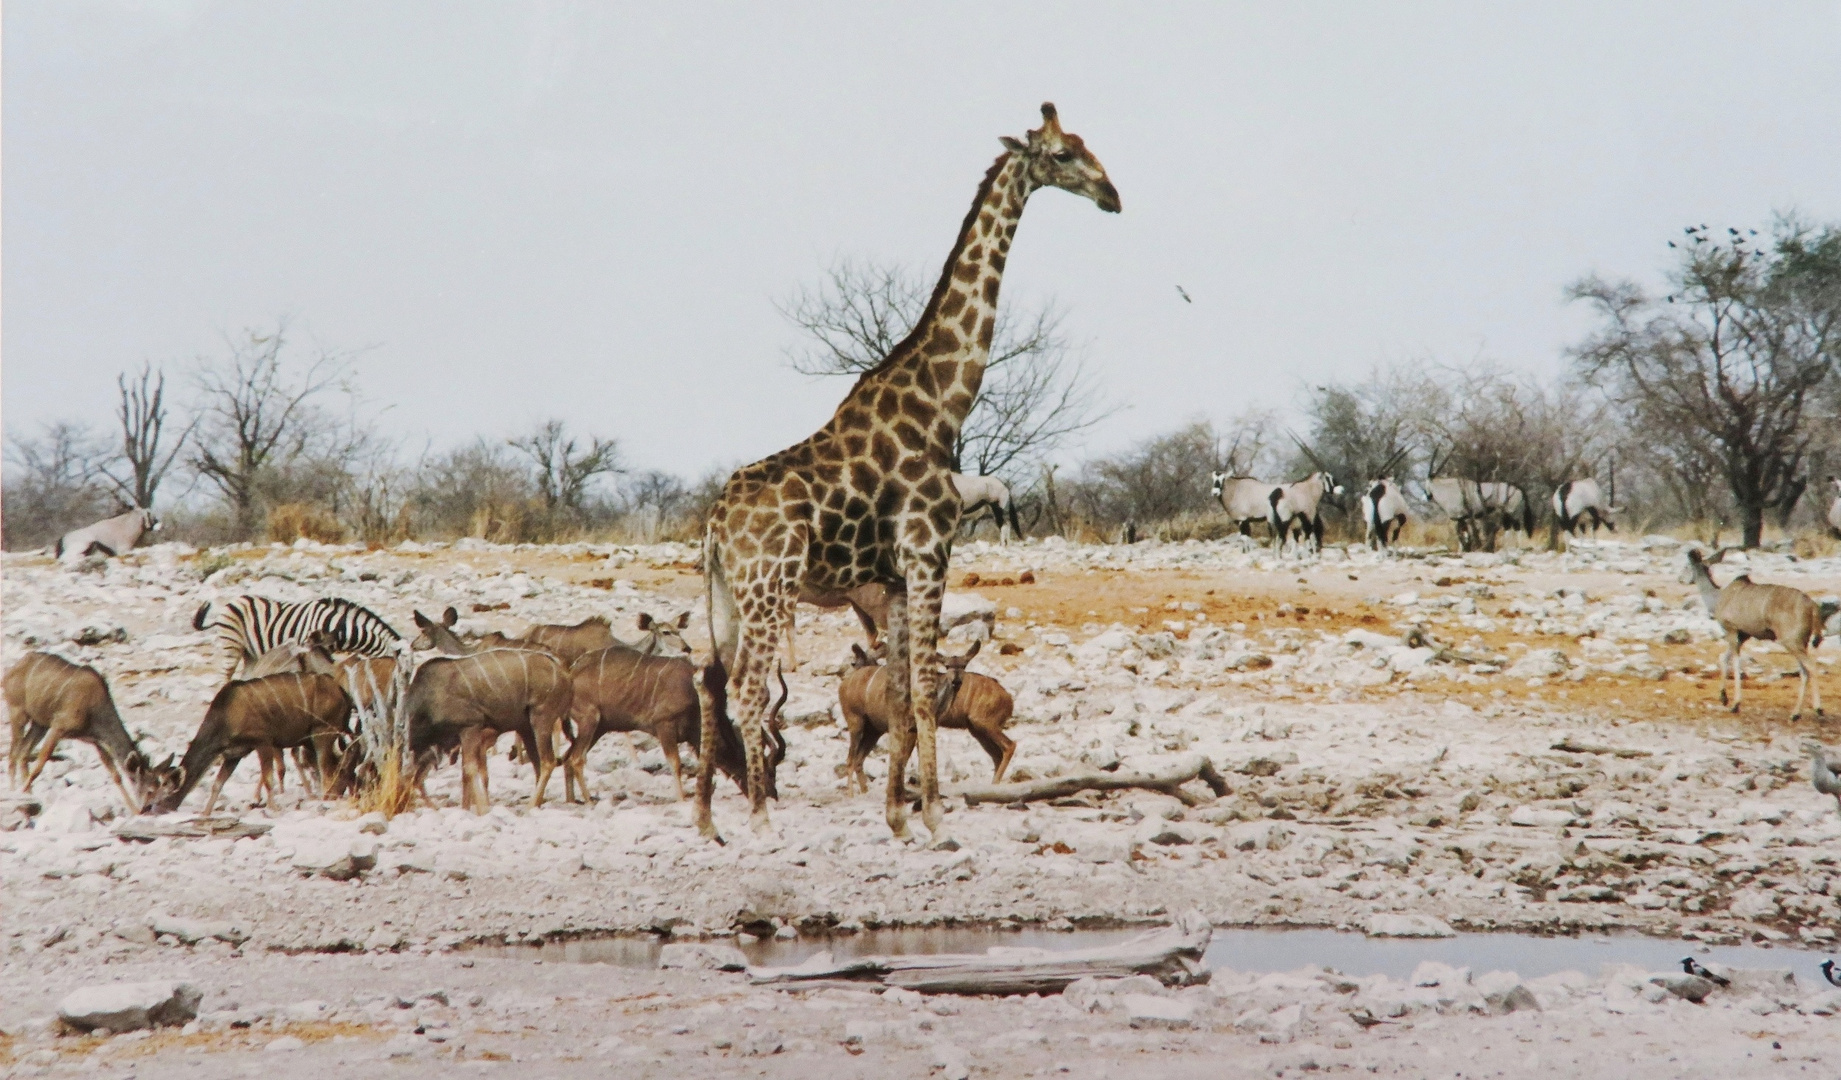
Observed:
{"x":219,"y":826}
{"x":1172,"y":954}
{"x":1571,"y":746}
{"x":1169,"y":783}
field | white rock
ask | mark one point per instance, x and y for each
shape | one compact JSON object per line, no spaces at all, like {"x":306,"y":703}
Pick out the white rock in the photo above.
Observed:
{"x":1407,"y":925}
{"x":1539,"y":664}
{"x":192,"y":931}
{"x":962,"y":607}
{"x":702,"y":956}
{"x":1534,"y":817}
{"x":1433,"y":973}
{"x":118,"y":1007}
{"x":1150,"y":1011}
{"x":325,"y":858}
{"x":283,"y":1045}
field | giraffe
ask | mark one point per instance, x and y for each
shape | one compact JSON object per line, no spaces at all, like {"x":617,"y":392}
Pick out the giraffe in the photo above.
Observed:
{"x":869,"y":497}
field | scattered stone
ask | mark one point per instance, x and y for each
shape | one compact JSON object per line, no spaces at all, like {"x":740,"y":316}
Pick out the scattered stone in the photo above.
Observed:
{"x":1149,"y":1011}
{"x":119,"y":1007}
{"x":1407,"y":926}
{"x":702,"y":956}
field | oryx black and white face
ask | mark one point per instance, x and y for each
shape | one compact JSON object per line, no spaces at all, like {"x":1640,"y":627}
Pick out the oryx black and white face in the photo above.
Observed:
{"x":1220,"y":478}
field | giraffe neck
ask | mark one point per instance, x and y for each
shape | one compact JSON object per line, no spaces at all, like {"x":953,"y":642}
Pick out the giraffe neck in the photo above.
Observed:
{"x":934,"y":374}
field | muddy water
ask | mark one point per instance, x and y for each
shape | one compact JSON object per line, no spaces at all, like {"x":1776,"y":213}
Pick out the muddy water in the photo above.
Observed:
{"x":1528,"y":955}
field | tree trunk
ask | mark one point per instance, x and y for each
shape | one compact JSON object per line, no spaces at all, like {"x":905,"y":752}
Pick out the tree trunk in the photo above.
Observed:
{"x":1751,"y":520}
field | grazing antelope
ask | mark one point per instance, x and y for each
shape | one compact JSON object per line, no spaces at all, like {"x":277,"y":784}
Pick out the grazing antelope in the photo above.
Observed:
{"x":49,"y":699}
{"x":968,"y":701}
{"x":1575,"y":499}
{"x":276,"y":712}
{"x":467,"y":702}
{"x":1834,"y":508}
{"x":313,"y":656}
{"x":1767,"y":612}
{"x":1478,"y":510}
{"x":981,"y":492}
{"x":113,"y":536}
{"x":1383,"y":512}
{"x":621,"y":690}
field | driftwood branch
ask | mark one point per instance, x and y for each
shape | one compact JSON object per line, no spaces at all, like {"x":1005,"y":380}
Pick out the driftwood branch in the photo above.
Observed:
{"x":1172,"y":954}
{"x":1572,"y":746}
{"x":1169,"y":783}
{"x":221,"y":826}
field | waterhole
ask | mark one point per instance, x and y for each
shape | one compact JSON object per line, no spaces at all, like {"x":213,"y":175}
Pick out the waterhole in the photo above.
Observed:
{"x":1528,"y":955}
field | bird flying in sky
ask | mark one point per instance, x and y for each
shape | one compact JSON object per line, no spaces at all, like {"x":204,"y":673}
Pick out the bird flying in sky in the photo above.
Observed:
{"x":1184,"y":295}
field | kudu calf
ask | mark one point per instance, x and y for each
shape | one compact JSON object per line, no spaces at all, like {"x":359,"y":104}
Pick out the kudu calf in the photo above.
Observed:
{"x":967,"y":701}
{"x":49,"y":699}
{"x":1767,"y":612}
{"x":273,"y":713}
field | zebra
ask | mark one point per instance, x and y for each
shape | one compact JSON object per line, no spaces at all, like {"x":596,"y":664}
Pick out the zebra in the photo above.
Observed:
{"x":249,"y":626}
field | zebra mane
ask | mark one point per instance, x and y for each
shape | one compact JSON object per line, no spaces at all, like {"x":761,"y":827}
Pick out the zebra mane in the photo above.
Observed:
{"x":340,"y":603}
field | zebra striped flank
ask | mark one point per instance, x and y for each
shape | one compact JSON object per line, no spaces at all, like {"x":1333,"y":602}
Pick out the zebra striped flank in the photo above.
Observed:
{"x":249,"y":626}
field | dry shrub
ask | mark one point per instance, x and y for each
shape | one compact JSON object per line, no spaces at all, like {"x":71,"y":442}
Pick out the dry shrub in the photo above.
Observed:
{"x":289,"y":522}
{"x":502,"y":523}
{"x":390,"y":791}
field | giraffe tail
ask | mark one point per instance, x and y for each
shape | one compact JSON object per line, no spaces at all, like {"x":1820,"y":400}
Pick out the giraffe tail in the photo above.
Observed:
{"x":725,"y":628}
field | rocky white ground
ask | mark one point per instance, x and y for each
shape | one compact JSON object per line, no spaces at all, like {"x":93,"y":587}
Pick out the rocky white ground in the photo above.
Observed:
{"x":1548,"y":761}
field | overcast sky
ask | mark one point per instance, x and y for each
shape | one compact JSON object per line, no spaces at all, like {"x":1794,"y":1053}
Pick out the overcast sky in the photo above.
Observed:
{"x":587,"y":210}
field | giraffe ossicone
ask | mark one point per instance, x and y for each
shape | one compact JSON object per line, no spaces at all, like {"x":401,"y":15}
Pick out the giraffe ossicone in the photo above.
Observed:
{"x":868,"y":498}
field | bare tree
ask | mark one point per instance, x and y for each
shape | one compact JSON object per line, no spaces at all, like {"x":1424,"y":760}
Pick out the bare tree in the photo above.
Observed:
{"x":1360,"y":430}
{"x":256,"y":416}
{"x":1734,"y":358}
{"x":561,"y":470}
{"x":142,"y":412}
{"x":1036,"y":392}
{"x":51,"y":486}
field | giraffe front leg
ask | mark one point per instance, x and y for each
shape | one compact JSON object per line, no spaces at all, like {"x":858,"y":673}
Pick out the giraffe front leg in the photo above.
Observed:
{"x":926,"y":590}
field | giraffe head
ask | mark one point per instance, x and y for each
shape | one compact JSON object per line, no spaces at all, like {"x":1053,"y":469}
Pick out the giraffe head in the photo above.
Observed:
{"x":1060,"y":159}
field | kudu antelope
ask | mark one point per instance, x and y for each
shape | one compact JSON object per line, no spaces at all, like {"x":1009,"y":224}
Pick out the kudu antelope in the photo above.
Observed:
{"x":49,"y":699}
{"x":312,"y":656}
{"x":1746,"y":610}
{"x":968,"y":702}
{"x":273,"y":713}
{"x":1575,"y":500}
{"x":113,"y":536}
{"x":465,"y":703}
{"x":870,"y":604}
{"x":620,"y":690}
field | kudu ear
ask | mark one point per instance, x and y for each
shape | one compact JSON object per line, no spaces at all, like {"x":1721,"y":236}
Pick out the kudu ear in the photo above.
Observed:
{"x":684,"y":621}
{"x":862,"y":658}
{"x":450,"y":617}
{"x":645,"y":621}
{"x":423,"y":621}
{"x":967,"y":658}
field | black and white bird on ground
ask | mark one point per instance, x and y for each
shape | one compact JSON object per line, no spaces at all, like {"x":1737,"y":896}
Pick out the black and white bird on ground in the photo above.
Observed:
{"x":1694,"y":967}
{"x":1184,"y":295}
{"x":1828,"y":972}
{"x":1826,"y":779}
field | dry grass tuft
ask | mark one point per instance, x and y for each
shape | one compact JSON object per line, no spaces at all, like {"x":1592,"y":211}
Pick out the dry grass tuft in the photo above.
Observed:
{"x":392,"y":792}
{"x":289,"y":522}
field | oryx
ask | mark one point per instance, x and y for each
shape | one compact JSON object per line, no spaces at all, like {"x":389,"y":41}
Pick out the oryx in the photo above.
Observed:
{"x":113,"y":536}
{"x":1383,"y":505}
{"x":1246,"y":500}
{"x":1299,"y":503}
{"x":978,"y":492}
{"x":1478,"y":510}
{"x":1574,"y":500}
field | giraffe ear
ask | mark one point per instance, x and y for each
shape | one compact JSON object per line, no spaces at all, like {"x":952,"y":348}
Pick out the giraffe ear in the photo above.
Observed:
{"x":1009,"y":143}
